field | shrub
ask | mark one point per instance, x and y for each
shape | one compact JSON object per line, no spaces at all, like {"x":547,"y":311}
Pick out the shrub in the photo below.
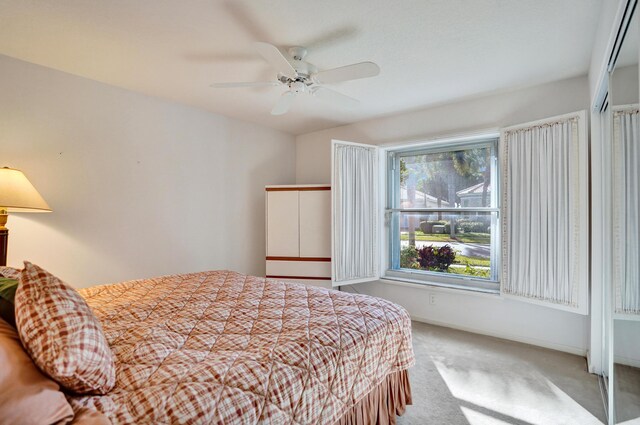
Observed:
{"x":479,"y":225}
{"x":445,"y":256}
{"x":474,"y":271}
{"x":408,"y":258}
{"x":437,"y":259}
{"x":472,"y":226}
{"x":427,"y":226}
{"x":427,"y":257}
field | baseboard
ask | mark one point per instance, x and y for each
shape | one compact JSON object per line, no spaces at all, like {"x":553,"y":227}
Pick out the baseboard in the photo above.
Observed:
{"x":582,"y":352}
{"x":627,"y":361}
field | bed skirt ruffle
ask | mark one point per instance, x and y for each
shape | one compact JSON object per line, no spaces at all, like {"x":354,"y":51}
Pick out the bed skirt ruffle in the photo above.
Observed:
{"x":383,"y":403}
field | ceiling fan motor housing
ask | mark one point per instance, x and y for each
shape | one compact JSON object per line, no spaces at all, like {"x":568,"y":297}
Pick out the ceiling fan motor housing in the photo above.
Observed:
{"x":298,"y":87}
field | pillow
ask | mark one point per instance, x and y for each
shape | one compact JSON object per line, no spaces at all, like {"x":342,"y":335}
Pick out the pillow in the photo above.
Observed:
{"x":7,"y":294}
{"x":61,"y":333}
{"x":7,"y":312}
{"x":9,"y":272}
{"x":8,"y":288}
{"x":26,"y":395}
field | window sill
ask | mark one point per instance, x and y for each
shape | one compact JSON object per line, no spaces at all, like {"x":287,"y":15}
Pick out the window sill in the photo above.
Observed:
{"x":451,"y":288}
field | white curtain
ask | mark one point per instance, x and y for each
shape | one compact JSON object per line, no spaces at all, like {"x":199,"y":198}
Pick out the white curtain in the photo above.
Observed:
{"x":626,"y":204}
{"x":355,"y":226}
{"x":541,"y":219}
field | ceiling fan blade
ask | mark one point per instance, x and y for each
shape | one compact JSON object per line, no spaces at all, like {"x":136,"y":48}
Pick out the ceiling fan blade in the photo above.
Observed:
{"x":283,"y":104}
{"x":248,"y":84}
{"x":348,"y":72}
{"x":276,"y":59}
{"x":336,"y":98}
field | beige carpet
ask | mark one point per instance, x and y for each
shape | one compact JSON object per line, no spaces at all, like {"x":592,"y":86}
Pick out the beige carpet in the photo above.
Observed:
{"x":465,"y":378}
{"x":627,"y":394}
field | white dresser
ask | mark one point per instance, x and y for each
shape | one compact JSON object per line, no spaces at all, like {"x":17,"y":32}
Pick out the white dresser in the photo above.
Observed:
{"x":299,"y":233}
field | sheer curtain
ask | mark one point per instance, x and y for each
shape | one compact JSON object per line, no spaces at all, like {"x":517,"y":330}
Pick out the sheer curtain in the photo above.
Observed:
{"x":355,"y":226}
{"x":541,"y":219}
{"x":626,"y":204}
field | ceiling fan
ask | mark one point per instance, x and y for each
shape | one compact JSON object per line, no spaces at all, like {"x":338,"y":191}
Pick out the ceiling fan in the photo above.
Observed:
{"x":302,"y":77}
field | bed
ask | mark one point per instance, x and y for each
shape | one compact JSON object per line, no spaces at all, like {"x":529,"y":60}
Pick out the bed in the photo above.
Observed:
{"x":222,"y":347}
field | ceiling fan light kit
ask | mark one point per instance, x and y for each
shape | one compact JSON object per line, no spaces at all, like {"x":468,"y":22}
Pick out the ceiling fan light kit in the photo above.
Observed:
{"x":302,"y":77}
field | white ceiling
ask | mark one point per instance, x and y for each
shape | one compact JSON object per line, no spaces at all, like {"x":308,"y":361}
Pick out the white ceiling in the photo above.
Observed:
{"x":429,"y":51}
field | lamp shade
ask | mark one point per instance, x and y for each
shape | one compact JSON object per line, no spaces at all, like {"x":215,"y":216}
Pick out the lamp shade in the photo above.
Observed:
{"x":17,"y":194}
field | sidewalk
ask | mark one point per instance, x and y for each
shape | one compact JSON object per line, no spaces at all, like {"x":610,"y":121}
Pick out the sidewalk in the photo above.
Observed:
{"x":466,"y":249}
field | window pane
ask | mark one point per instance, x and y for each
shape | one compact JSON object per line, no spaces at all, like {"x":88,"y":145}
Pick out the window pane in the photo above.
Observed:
{"x":453,"y":179}
{"x":453,"y":243}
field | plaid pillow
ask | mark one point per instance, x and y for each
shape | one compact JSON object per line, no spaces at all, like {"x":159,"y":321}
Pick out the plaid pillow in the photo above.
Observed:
{"x":9,"y":272}
{"x":61,"y":334}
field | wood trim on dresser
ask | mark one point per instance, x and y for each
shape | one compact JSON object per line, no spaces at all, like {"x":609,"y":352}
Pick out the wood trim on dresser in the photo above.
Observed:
{"x":298,"y":277}
{"x":296,"y":189}
{"x":298,"y":259}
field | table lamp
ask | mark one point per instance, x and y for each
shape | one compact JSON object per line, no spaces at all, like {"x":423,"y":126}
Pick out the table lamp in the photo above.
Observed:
{"x":17,"y":194}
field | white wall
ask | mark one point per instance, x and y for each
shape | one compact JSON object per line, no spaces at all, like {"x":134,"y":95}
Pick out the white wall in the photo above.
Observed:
{"x":313,"y":159}
{"x":487,"y":314}
{"x":625,"y":84}
{"x":139,"y":186}
{"x":626,"y":342}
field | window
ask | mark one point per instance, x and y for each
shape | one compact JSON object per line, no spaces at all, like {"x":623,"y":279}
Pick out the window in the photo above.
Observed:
{"x":442,"y":214}
{"x":445,"y":222}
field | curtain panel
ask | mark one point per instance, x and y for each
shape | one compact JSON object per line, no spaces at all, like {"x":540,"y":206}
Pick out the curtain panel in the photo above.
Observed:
{"x":626,"y":204}
{"x":355,"y":224}
{"x":540,"y":212}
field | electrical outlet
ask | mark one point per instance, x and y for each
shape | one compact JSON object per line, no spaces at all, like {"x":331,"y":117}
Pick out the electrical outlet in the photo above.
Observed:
{"x":432,"y":299}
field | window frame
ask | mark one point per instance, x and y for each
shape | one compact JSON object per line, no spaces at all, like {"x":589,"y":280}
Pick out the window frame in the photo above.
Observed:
{"x":392,"y":209}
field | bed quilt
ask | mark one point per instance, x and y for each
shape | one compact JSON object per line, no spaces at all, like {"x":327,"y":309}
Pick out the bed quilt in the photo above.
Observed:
{"x":222,"y":347}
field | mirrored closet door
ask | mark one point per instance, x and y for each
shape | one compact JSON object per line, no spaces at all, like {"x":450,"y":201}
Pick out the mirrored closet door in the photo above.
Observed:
{"x":623,"y":315}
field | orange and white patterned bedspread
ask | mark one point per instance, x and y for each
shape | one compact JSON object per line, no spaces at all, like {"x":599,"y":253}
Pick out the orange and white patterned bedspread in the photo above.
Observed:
{"x":222,"y":347}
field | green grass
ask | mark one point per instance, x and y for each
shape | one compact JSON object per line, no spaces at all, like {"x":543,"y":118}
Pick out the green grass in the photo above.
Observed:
{"x":478,"y":238}
{"x":472,"y":261}
{"x":468,"y":271}
{"x":485,"y":273}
